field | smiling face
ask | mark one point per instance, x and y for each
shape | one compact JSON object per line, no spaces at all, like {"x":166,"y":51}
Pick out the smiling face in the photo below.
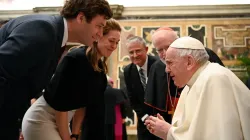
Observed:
{"x":86,"y":19}
{"x":88,"y":32}
{"x":137,"y":53}
{"x":108,"y":43}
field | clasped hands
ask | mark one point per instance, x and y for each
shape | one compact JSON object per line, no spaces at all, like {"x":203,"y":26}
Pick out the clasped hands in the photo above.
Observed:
{"x":157,"y":126}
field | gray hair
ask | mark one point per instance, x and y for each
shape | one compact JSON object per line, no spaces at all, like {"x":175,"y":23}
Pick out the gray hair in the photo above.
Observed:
{"x":136,"y":39}
{"x":200,"y":56}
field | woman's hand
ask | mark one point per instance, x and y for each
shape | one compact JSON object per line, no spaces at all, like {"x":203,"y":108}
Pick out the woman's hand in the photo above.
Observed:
{"x":62,"y":125}
{"x":21,"y":136}
{"x":77,"y":120}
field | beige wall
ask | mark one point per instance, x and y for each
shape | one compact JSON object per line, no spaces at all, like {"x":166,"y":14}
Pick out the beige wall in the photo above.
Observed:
{"x":229,"y":38}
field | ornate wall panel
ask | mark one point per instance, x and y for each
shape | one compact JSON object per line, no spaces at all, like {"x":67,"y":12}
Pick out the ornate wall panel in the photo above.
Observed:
{"x":127,"y":32}
{"x":198,"y":32}
{"x":231,"y":41}
{"x":147,"y":33}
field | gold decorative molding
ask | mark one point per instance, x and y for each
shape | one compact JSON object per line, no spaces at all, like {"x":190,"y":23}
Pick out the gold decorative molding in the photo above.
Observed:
{"x":121,"y":12}
{"x":189,"y":10}
{"x":8,"y":14}
{"x":117,"y":10}
{"x":46,"y":9}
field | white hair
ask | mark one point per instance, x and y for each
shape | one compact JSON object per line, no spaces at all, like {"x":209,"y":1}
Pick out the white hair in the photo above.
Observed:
{"x":168,"y":35}
{"x":136,"y":39}
{"x":200,"y":56}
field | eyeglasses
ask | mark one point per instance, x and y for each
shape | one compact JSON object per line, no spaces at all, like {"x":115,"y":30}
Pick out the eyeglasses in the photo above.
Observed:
{"x":136,"y":52}
{"x":161,"y":50}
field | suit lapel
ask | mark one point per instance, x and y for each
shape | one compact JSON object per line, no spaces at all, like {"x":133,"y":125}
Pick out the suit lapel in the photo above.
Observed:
{"x":151,"y":60}
{"x":136,"y":79}
{"x":135,"y":74}
{"x":59,"y":29}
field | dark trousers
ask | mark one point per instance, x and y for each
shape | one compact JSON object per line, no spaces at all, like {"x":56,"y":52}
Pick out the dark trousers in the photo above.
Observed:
{"x":11,"y":114}
{"x":9,"y":127}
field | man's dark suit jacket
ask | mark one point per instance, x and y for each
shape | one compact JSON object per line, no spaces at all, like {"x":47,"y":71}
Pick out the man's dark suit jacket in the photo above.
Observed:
{"x":213,"y":57}
{"x":29,"y":53}
{"x":136,"y":96}
{"x":134,"y":87}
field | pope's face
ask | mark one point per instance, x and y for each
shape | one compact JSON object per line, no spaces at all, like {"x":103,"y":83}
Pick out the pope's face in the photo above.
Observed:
{"x":176,"y":67}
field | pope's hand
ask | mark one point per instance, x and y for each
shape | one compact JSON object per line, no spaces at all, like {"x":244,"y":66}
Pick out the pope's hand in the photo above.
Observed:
{"x":157,"y":126}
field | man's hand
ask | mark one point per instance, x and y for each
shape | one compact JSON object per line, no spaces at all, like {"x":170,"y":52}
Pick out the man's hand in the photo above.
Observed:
{"x":21,"y":136}
{"x":158,"y":126}
{"x":32,"y":101}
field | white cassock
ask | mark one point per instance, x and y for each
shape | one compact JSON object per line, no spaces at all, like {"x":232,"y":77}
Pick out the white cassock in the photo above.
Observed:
{"x":215,"y":105}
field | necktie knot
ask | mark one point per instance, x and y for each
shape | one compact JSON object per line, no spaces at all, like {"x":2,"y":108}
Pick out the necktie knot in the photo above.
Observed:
{"x":141,"y":70}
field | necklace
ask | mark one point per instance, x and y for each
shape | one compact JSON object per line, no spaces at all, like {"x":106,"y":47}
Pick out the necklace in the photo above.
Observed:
{"x":169,"y":96}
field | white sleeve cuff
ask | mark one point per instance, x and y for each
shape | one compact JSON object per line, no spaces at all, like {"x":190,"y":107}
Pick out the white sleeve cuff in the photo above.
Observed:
{"x":170,"y":134}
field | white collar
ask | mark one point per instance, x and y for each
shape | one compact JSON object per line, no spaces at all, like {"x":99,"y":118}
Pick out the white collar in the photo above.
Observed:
{"x":196,"y":74}
{"x":65,"y":34}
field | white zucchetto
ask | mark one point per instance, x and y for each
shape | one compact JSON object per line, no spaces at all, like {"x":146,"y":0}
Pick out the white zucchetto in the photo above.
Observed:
{"x":187,"y":42}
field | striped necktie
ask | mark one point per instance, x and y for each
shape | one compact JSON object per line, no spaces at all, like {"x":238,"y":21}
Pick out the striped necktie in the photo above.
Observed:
{"x":143,"y":78}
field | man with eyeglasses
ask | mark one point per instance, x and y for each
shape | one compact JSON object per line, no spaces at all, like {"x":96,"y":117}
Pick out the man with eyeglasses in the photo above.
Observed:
{"x":136,"y":75}
{"x":161,"y":93}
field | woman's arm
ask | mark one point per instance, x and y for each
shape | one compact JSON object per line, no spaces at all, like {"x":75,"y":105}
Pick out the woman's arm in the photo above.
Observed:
{"x":62,"y":124}
{"x":77,"y":120}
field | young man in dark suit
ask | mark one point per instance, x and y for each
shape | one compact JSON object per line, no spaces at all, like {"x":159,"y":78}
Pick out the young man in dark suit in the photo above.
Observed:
{"x":135,"y":75}
{"x":30,"y":48}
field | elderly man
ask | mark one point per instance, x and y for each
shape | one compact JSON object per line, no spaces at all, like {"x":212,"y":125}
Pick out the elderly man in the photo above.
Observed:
{"x":214,"y":105}
{"x":161,"y":93}
{"x":135,"y":75}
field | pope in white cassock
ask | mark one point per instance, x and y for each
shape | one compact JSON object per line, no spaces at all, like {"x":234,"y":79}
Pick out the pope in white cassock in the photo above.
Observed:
{"x":214,"y":105}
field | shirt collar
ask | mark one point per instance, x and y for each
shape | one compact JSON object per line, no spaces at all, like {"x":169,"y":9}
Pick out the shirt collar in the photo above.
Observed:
{"x":145,"y":65}
{"x":65,"y":34}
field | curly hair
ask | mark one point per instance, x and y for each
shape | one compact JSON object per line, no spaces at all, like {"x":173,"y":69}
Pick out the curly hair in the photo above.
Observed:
{"x":90,"y":9}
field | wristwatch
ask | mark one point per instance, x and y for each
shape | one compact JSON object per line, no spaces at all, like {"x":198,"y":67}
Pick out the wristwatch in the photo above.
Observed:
{"x":74,"y":136}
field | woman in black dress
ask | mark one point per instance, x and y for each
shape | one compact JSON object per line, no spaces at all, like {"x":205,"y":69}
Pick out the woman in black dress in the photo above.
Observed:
{"x":78,"y":84}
